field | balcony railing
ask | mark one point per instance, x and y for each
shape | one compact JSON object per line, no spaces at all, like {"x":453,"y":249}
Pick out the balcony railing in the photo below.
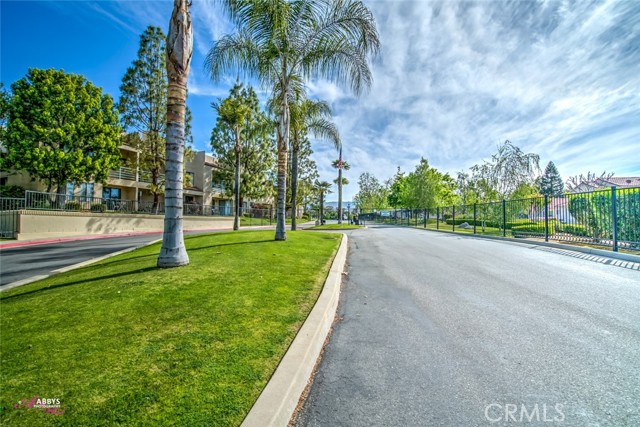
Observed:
{"x":145,"y":176}
{"x":123,"y":173}
{"x":62,"y":202}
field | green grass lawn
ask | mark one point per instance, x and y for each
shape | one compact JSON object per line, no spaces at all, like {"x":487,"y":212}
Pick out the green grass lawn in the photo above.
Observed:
{"x":335,"y":227}
{"x":244,"y":221}
{"x":123,"y":342}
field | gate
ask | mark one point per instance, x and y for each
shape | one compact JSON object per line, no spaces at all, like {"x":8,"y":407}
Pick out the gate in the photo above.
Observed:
{"x":9,"y":209}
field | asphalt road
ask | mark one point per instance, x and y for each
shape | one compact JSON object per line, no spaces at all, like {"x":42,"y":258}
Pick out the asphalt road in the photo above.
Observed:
{"x":27,"y":261}
{"x":445,"y":330}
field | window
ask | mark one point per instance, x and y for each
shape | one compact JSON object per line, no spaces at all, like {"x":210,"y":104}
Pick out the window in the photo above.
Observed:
{"x":3,"y":181}
{"x":71,"y":187}
{"x":86,"y":191}
{"x":111,"y":193}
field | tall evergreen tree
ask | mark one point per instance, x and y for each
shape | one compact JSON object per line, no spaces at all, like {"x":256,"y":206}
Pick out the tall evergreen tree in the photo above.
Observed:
{"x":179,"y":50}
{"x":307,"y":175}
{"x":60,"y":128}
{"x":143,"y":108}
{"x":550,"y":183}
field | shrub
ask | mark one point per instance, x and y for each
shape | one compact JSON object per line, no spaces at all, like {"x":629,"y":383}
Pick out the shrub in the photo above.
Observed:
{"x":98,"y":207}
{"x":72,"y":206}
{"x":531,"y":228}
{"x":12,"y":191}
{"x":494,"y":223}
{"x":575,"y":229}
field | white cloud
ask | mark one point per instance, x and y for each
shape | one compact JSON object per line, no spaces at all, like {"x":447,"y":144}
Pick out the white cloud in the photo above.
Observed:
{"x":455,"y":78}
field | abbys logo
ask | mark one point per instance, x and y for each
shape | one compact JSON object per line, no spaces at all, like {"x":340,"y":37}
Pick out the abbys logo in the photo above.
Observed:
{"x":51,"y":406}
{"x":521,"y":413}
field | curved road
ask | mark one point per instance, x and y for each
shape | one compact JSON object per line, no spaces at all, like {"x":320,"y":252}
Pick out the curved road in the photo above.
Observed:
{"x":26,"y":261}
{"x":444,"y":330}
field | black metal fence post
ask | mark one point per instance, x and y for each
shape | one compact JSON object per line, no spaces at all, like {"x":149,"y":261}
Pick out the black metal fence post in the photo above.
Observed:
{"x":546,"y":218}
{"x":504,"y":218}
{"x":614,"y":218}
{"x":438,"y":218}
{"x":474,"y":218}
{"x":425,"y":218}
{"x":453,"y":218}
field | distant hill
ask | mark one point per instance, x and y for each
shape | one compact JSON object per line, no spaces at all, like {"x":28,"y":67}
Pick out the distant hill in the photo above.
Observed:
{"x":335,"y":204}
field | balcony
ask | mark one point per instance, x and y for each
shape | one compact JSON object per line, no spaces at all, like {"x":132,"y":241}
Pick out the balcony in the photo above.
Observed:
{"x":123,"y":173}
{"x":145,"y":176}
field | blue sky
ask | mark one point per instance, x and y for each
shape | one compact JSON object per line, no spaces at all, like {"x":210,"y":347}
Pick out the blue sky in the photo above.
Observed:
{"x":558,"y":78}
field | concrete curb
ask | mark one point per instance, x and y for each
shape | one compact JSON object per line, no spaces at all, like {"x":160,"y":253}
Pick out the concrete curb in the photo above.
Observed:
{"x":585,"y":250}
{"x":72,"y":267}
{"x":280,"y":397}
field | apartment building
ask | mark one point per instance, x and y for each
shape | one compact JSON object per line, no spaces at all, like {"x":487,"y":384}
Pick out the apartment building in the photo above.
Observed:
{"x":130,"y":183}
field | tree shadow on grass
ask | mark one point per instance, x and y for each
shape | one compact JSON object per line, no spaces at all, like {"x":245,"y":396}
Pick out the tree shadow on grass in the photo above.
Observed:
{"x":88,"y":280}
{"x":229,"y":244}
{"x":125,"y":273}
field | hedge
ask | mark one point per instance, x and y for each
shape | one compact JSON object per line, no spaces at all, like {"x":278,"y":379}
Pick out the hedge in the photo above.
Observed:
{"x":490,"y":223}
{"x":98,"y":207}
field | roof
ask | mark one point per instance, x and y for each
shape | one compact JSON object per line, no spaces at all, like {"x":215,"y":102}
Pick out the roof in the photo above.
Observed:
{"x":622,"y":181}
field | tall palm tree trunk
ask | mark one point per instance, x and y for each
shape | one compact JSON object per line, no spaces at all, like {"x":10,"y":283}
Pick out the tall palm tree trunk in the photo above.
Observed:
{"x":236,"y":187}
{"x":283,"y":145}
{"x":340,"y":196}
{"x":179,"y":50}
{"x":294,"y":186}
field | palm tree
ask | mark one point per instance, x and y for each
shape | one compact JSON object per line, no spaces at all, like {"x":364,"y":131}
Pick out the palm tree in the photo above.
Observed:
{"x":282,"y":43}
{"x":322,"y":187}
{"x":307,"y":116}
{"x":179,"y":50}
{"x":340,"y":165}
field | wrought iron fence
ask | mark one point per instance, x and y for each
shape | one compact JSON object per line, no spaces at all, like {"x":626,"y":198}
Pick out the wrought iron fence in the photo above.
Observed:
{"x":9,"y":208}
{"x":608,"y":218}
{"x":62,"y":202}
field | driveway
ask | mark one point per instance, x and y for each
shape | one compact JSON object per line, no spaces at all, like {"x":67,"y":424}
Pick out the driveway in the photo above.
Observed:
{"x":444,"y":330}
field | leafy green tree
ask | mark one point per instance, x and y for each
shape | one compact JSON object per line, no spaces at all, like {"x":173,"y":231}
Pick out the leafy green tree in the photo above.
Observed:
{"x":179,"y":50}
{"x":143,"y":109}
{"x":5,"y":100}
{"x":508,"y":168}
{"x":61,"y":128}
{"x":426,"y":187}
{"x":235,"y":111}
{"x":307,"y":116}
{"x":397,"y":189}
{"x":243,"y":144}
{"x":525,"y":191}
{"x":307,"y":174}
{"x":550,"y":183}
{"x":282,"y":43}
{"x":371,"y":194}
